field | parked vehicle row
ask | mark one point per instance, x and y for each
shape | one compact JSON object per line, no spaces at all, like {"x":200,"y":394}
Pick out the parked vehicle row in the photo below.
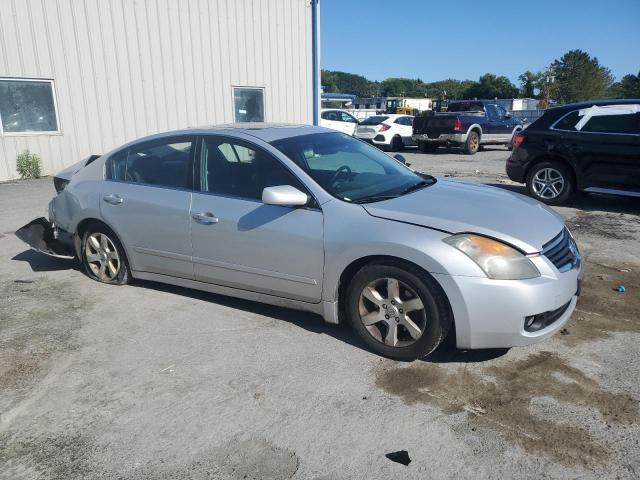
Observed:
{"x":591,"y":147}
{"x":313,"y":219}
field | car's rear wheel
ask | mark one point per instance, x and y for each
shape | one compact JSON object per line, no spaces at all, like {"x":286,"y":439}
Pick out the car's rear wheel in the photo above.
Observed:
{"x":396,"y":143}
{"x":473,"y":143}
{"x":550,"y":182}
{"x":103,"y":256}
{"x":399,"y":312}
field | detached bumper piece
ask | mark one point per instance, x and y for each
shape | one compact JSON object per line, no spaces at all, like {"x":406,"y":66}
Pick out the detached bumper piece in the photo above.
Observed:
{"x":39,"y":234}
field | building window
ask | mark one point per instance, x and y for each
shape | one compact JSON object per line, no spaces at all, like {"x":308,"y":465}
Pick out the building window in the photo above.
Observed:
{"x":248,"y":104}
{"x":27,"y":106}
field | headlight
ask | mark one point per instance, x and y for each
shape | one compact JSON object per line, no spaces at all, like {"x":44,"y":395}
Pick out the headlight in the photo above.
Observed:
{"x":497,"y":260}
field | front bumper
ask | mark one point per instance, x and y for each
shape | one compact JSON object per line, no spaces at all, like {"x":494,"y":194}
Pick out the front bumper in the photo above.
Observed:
{"x":441,"y":139}
{"x":492,"y":313}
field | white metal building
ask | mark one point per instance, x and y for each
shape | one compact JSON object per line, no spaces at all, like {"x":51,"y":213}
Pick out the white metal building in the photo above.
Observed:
{"x":80,"y":77}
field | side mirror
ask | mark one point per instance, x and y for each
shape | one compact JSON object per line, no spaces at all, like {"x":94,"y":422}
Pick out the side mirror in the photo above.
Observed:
{"x":400,"y":158}
{"x":507,"y":115}
{"x":285,"y":196}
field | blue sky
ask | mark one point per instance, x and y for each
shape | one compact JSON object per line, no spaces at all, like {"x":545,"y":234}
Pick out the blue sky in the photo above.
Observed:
{"x":463,"y":39}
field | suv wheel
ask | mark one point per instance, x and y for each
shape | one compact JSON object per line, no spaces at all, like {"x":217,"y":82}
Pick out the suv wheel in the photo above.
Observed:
{"x":473,"y":143}
{"x":550,"y":182}
{"x":399,"y":312}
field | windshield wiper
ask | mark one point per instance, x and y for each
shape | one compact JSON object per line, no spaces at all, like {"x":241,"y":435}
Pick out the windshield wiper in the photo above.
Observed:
{"x":374,"y":198}
{"x":418,"y":186}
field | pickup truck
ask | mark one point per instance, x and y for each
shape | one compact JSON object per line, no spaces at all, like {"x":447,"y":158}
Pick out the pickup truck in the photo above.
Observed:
{"x":469,"y":123}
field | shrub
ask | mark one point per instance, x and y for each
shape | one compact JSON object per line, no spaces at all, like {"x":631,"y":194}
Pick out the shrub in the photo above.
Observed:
{"x":28,"y":165}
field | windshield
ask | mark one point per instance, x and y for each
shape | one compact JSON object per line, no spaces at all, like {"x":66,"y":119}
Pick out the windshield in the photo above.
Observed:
{"x":349,"y":169}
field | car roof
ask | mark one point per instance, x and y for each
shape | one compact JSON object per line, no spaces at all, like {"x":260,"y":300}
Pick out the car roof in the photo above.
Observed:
{"x":600,"y":103}
{"x":267,"y":132}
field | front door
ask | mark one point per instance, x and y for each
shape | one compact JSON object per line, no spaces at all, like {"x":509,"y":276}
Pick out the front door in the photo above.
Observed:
{"x":240,"y":242}
{"x":146,"y":198}
{"x":499,"y":129}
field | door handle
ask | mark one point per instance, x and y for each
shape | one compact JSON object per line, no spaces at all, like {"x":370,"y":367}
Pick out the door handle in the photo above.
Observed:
{"x":205,"y":218}
{"x":113,"y":199}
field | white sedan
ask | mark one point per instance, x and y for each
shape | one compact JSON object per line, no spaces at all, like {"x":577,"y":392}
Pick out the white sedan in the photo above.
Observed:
{"x":388,"y":131}
{"x":338,"y":120}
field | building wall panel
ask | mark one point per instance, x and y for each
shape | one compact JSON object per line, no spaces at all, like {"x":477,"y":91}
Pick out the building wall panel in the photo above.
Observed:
{"x":123,"y":69}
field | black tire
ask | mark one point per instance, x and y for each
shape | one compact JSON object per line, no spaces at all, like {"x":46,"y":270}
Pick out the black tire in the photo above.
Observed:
{"x":396,"y":144}
{"x":534,"y":184}
{"x":427,"y":147}
{"x":436,"y":309}
{"x":122,"y":274}
{"x":472,"y":144}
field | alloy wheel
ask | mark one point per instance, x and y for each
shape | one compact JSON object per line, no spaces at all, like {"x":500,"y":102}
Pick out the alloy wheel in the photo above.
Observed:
{"x":548,"y":183}
{"x":102,"y":256}
{"x":392,"y":312}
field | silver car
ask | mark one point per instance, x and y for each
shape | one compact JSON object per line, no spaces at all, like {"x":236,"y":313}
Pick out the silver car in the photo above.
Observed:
{"x":313,"y":219}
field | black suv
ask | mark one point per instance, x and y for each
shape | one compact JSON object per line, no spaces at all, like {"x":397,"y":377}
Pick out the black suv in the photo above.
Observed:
{"x":591,"y":147}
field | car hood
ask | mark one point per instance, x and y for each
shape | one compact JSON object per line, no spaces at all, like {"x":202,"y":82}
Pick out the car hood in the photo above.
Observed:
{"x":458,"y":207}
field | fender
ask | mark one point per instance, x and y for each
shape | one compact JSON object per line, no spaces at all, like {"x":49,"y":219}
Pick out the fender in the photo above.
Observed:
{"x":475,"y":126}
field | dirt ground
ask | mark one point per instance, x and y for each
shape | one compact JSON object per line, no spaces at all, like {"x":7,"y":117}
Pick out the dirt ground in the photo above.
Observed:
{"x":151,"y":381}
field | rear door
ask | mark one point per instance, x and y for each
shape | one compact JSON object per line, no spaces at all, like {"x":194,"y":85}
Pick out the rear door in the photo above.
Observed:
{"x":331,"y":119}
{"x":608,"y":150}
{"x":240,"y":242}
{"x":146,"y":199}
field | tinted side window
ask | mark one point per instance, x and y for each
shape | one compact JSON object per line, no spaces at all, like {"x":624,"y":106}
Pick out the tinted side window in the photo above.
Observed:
{"x":231,"y":168}
{"x":612,"y":124}
{"x":568,"y":122}
{"x":164,"y":163}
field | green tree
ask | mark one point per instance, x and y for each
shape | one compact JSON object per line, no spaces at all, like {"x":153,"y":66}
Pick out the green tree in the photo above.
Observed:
{"x":628,"y":87}
{"x":407,"y":87}
{"x":529,"y":83}
{"x":450,"y":89}
{"x":343,"y":82}
{"x":579,"y":77}
{"x":492,"y":86}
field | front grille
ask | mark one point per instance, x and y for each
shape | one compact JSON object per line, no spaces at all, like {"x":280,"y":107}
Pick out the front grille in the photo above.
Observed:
{"x":543,"y":320}
{"x":562,"y":251}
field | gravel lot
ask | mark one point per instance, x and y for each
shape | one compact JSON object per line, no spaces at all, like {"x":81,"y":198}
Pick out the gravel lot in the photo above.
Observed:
{"x":152,"y":381}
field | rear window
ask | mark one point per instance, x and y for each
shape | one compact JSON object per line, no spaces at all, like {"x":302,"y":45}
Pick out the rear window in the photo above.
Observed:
{"x":465,"y":107}
{"x":375,"y":120}
{"x":613,"y":124}
{"x":568,"y":122}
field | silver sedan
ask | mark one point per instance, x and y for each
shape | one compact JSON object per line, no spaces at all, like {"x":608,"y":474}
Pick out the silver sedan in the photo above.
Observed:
{"x":313,"y":219}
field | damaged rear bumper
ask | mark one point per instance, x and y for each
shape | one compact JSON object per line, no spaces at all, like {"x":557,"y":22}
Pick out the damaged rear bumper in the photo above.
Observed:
{"x":43,"y":237}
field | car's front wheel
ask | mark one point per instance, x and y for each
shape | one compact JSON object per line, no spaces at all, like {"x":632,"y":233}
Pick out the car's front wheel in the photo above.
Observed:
{"x":550,"y":182}
{"x":400,"y":312}
{"x":103,"y":256}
